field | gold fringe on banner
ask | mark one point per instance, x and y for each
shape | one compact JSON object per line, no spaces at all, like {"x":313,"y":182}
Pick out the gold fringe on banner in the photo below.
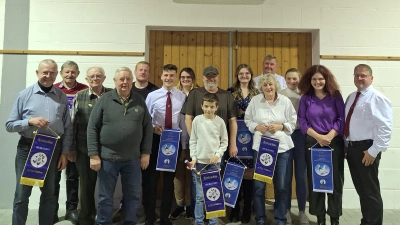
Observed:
{"x":262,"y":178}
{"x":31,"y":182}
{"x":214,"y":214}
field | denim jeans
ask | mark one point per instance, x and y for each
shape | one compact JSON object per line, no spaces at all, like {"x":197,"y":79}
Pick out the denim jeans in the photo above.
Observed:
{"x":298,"y":155}
{"x":48,"y":201}
{"x":199,"y":206}
{"x":280,"y":191}
{"x":131,"y":189}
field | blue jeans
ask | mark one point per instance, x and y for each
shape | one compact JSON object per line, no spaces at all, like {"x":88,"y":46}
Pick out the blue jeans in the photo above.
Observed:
{"x":298,"y":155}
{"x":199,"y":206}
{"x":48,"y":201}
{"x":280,"y":191}
{"x":131,"y":189}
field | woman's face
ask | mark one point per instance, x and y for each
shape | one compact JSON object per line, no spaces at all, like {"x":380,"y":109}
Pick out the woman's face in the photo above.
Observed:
{"x":244,"y":76}
{"x":186,"y":79}
{"x":292,"y":80}
{"x":318,"y":82}
{"x":268,"y":88}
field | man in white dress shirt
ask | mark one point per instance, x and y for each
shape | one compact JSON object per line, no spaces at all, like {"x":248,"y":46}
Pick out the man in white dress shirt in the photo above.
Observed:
{"x":368,"y":129}
{"x":270,"y":64}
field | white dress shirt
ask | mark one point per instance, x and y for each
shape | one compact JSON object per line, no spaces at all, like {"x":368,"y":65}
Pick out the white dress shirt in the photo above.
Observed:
{"x":279,"y":78}
{"x":156,"y":104}
{"x":281,"y":111}
{"x":372,"y":119}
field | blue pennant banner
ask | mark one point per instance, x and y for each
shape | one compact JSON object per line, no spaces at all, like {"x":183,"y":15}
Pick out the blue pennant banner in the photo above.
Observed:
{"x":266,"y":159}
{"x":231,"y":182}
{"x":168,"y":150}
{"x":213,"y":194}
{"x":70,"y":101}
{"x":322,"y":173}
{"x":244,"y":143}
{"x":38,"y":161}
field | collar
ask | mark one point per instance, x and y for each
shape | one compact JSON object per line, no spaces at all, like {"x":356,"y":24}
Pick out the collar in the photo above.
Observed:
{"x":36,"y":88}
{"x":92,"y":95}
{"x":62,"y":85}
{"x":164,"y":90}
{"x":363,"y":92}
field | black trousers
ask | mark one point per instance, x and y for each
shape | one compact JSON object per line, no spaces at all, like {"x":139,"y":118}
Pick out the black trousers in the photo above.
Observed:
{"x":317,"y":199}
{"x":88,"y":178}
{"x":366,"y":182}
{"x":72,"y":187}
{"x":151,"y":177}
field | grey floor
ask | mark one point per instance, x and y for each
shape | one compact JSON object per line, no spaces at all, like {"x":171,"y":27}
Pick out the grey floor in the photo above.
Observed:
{"x":349,"y":217}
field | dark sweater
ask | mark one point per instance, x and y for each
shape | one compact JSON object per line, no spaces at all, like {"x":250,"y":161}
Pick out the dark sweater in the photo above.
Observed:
{"x":115,"y":136}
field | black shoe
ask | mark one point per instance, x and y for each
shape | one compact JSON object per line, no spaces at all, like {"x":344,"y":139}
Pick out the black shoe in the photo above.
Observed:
{"x":165,"y":221}
{"x":334,"y":221}
{"x":189,"y":213}
{"x":118,"y":216}
{"x":55,"y":218}
{"x":234,"y":216}
{"x":149,"y":222}
{"x":72,"y":216}
{"x":177,"y":213}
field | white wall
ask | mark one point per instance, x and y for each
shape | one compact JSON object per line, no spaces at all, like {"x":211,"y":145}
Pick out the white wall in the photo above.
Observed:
{"x":358,"y":27}
{"x":2,"y":11}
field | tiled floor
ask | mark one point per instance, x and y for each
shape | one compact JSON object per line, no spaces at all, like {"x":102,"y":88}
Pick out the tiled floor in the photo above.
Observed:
{"x":349,"y":217}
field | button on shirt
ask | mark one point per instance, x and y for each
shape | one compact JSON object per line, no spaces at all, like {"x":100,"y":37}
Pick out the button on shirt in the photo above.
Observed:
{"x":156,"y":103}
{"x":372,"y":119}
{"x":33,"y":102}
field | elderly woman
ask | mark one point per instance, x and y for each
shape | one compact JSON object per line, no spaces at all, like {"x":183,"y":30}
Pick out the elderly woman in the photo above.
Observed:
{"x":243,"y":91}
{"x":273,"y":115}
{"x":321,"y":118}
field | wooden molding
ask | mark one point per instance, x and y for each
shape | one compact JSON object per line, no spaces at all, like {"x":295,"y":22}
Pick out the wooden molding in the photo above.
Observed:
{"x":51,"y":52}
{"x":353,"y":57}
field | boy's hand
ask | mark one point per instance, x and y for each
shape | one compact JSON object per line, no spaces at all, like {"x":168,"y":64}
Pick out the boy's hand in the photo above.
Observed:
{"x":192,"y":164}
{"x":214,"y":159}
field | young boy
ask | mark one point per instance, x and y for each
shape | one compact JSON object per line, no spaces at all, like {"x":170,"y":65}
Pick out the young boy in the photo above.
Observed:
{"x":208,"y":142}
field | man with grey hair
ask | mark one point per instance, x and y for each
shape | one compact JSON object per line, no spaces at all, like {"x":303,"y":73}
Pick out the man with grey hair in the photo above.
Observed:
{"x":119,"y":136}
{"x":366,"y":141}
{"x":38,"y":107}
{"x":83,"y":104}
{"x":270,"y":64}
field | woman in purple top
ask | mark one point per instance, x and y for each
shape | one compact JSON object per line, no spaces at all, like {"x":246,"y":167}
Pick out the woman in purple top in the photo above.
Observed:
{"x":321,"y":118}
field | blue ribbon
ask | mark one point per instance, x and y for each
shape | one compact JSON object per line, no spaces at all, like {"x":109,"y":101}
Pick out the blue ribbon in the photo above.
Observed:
{"x":266,"y":159}
{"x":38,"y":160}
{"x":244,"y":143}
{"x":231,"y":182}
{"x":322,"y":173}
{"x":213,"y":194}
{"x":168,"y":150}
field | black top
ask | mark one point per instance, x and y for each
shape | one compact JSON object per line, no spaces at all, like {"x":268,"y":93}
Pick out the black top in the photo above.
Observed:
{"x":145,"y":91}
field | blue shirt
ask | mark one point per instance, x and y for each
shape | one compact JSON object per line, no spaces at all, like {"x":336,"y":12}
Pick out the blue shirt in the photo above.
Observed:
{"x":156,"y":103}
{"x":33,"y":102}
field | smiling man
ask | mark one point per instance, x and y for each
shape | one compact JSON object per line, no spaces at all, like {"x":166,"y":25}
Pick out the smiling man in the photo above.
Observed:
{"x":270,"y":65}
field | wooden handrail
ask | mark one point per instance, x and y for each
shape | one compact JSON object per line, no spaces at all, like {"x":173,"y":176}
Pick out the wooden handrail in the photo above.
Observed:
{"x":51,"y":52}
{"x":354,"y":57}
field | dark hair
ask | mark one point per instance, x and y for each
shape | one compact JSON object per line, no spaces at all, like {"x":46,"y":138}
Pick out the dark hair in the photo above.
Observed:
{"x":169,"y":67}
{"x":237,"y":91}
{"x":363,"y":67}
{"x":331,"y":86}
{"x":192,"y":75}
{"x":293,"y":70}
{"x":210,"y":97}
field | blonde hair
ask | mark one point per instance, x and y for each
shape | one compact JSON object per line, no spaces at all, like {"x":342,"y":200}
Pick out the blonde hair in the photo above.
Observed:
{"x":269,"y":78}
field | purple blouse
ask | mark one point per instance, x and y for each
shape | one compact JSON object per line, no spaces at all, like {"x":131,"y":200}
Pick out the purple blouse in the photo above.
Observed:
{"x":322,"y":115}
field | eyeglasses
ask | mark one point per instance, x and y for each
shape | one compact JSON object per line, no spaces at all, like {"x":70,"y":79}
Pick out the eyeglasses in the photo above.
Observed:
{"x":186,"y":77}
{"x":92,"y":77}
{"x":244,"y":74}
{"x":362,"y":76}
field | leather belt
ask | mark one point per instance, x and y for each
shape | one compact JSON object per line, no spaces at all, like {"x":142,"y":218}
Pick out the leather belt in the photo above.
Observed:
{"x":358,"y":143}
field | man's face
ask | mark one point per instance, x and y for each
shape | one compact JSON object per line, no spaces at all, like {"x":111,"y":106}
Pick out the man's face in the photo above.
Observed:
{"x":142,"y":72}
{"x":270,"y":66}
{"x":95,"y":77}
{"x":123,"y":82}
{"x":362,"y":79}
{"x":47,"y":73}
{"x":168,"y":78}
{"x":210,"y":81}
{"x":69,"y":74}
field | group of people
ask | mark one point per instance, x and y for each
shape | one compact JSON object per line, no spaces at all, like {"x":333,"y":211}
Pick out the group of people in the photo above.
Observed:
{"x":110,"y":132}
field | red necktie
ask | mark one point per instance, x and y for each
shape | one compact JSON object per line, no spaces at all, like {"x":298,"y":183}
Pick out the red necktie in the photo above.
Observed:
{"x":348,"y":118}
{"x":168,"y":111}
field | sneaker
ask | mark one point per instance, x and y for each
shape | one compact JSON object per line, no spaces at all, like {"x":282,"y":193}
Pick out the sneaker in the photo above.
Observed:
{"x":303,"y":218}
{"x":288,"y":217}
{"x":118,"y":216}
{"x":177,"y":213}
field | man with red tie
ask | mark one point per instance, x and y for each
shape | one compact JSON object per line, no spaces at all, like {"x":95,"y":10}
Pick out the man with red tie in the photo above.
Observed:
{"x":164,"y":106}
{"x":368,"y":129}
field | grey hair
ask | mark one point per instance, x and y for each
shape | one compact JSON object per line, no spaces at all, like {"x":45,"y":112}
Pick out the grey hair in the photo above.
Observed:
{"x":69,"y":63}
{"x":363,"y":67}
{"x":47,"y":61}
{"x":269,"y":57}
{"x":269,"y":78}
{"x":122,"y":69}
{"x":96,"y":67}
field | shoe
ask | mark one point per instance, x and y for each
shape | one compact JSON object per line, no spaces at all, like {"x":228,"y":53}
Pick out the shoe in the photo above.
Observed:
{"x":303,"y":218}
{"x":55,"y":218}
{"x":118,"y":216}
{"x":288,"y":217}
{"x":177,"y":213}
{"x":334,"y":221}
{"x":72,"y":216}
{"x":234,"y":216}
{"x":189,"y":213}
{"x":165,"y":221}
{"x":149,"y":222}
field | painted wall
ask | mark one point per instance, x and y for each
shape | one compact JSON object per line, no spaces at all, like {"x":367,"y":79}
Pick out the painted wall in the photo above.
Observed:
{"x":358,"y":27}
